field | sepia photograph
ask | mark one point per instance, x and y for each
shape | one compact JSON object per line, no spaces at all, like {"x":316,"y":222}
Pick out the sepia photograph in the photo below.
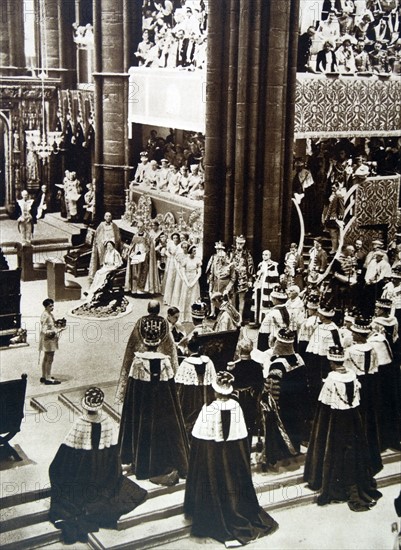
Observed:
{"x":200,"y":274}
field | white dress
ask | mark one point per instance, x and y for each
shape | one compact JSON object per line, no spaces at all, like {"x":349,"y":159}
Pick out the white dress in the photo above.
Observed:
{"x":112,"y":261}
{"x":190,"y":291}
{"x":170,"y":273}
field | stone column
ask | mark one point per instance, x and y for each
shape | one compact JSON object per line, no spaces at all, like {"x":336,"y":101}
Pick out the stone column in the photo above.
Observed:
{"x":12,"y":58}
{"x":249,"y":122}
{"x":112,"y":45}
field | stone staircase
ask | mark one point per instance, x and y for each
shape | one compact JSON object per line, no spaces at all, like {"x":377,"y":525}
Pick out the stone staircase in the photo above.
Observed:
{"x":159,"y":520}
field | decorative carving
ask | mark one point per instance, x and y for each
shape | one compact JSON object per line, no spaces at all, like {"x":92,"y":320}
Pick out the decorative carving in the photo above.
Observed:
{"x":347,"y":107}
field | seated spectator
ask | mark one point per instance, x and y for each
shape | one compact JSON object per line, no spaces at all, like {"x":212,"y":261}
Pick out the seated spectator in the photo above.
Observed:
{"x":379,"y":59}
{"x":361,"y":56}
{"x":345,"y":57}
{"x":164,"y":175}
{"x":183,"y":181}
{"x":174,"y":180}
{"x":326,"y":59}
{"x":143,"y":48}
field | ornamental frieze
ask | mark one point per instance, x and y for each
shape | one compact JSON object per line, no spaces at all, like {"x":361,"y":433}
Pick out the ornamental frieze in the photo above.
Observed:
{"x":347,"y":106}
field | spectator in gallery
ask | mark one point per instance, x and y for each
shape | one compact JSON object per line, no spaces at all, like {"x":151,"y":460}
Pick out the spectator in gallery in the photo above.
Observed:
{"x":152,"y":175}
{"x":174,"y":180}
{"x":362,"y":60}
{"x":304,"y":49}
{"x":379,"y":59}
{"x":164,"y":175}
{"x":362,"y":26}
{"x":142,"y":168}
{"x":143,"y":48}
{"x":345,"y":57}
{"x":183,"y":181}
{"x":326,"y":59}
{"x":330,"y":29}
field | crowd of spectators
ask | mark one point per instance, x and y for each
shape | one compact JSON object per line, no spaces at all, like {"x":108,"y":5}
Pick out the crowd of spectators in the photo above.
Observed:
{"x":353,"y":37}
{"x":173,"y":34}
{"x":336,"y":165}
{"x":174,"y":168}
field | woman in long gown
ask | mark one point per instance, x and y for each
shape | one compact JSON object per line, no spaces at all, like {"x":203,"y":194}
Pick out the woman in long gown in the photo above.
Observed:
{"x":112,"y":261}
{"x":152,"y":433}
{"x":190,"y":272}
{"x":180,"y":255}
{"x":338,"y":462}
{"x":88,"y":489}
{"x":219,"y":494}
{"x":171,"y":271}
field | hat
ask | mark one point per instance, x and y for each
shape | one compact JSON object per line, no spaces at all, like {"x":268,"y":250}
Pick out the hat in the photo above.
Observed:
{"x":326,"y":312}
{"x":380,"y":252}
{"x":362,"y":326}
{"x":348,"y":317}
{"x":240,"y":239}
{"x":198,"y":310}
{"x":313,"y":277}
{"x":144,"y":154}
{"x":152,"y":329}
{"x":313,"y":302}
{"x":278,"y":293}
{"x":378,"y":242}
{"x":219,"y":245}
{"x":223,"y":383}
{"x":153,"y":162}
{"x":286,"y":336}
{"x":384,"y":304}
{"x":396,"y":272}
{"x":164,"y":160}
{"x":93,"y":399}
{"x":362,"y":171}
{"x":336,"y":353}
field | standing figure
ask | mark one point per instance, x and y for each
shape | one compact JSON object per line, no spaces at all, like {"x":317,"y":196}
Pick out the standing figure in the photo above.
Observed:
{"x":142,"y":276}
{"x":267,"y":278}
{"x":72,"y":194}
{"x":244,"y":270}
{"x":171,"y":270}
{"x":333,"y":215}
{"x":88,"y":489}
{"x":89,"y":205}
{"x":32,"y":166}
{"x":107,"y":231}
{"x":337,"y":462}
{"x":220,"y":272}
{"x":152,"y":433}
{"x":25,"y":219}
{"x":48,"y":341}
{"x":190,"y":272}
{"x":248,"y":384}
{"x":361,"y":358}
{"x":136,"y":343}
{"x":193,"y":380}
{"x":219,"y":494}
{"x":40,"y":203}
{"x":294,"y":262}
{"x":284,"y":399}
